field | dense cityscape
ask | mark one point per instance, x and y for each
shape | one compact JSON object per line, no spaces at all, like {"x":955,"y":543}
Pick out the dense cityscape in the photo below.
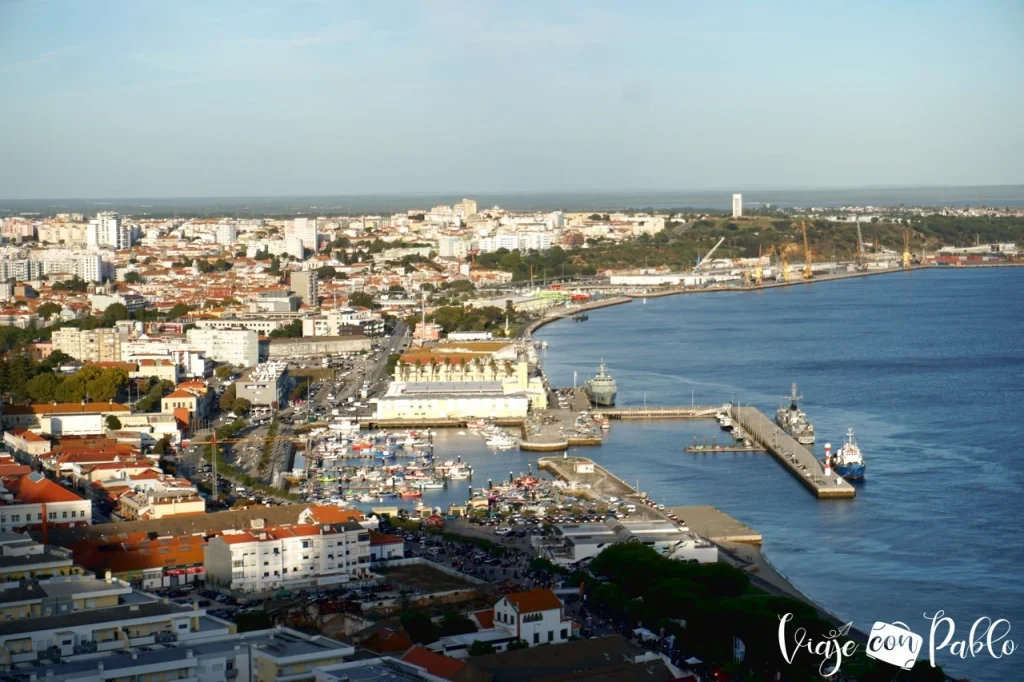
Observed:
{"x":185,"y":397}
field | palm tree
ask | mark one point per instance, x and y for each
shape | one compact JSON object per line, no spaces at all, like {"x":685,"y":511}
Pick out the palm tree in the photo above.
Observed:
{"x":493,"y":364}
{"x":419,"y":366}
{"x":433,"y":367}
{"x":462,"y":367}
{"x":448,"y":368}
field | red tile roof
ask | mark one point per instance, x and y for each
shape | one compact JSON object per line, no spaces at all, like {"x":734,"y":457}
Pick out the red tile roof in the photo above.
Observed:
{"x":136,"y":551}
{"x":386,"y":641}
{"x":435,"y":664}
{"x":66,"y":408}
{"x":537,"y":599}
{"x":30,"y":489}
{"x":329,"y":513}
{"x":382,"y":539}
{"x":28,"y":436}
{"x":485,"y":618}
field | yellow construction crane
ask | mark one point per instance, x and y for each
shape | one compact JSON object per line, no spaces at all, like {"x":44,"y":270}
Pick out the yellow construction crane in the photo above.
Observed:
{"x":906,"y":249}
{"x":759,"y":269}
{"x":808,"y":270}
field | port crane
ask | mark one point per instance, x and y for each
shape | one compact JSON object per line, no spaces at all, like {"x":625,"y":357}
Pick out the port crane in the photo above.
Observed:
{"x":906,"y":249}
{"x":707,"y":256}
{"x":808,"y":270}
{"x":759,"y":269}
{"x":860,"y":248}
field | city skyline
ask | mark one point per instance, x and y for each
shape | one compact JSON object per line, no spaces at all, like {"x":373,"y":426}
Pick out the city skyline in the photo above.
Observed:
{"x":311,"y":98}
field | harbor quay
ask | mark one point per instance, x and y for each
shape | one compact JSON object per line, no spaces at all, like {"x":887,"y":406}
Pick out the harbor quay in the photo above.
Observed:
{"x":797,"y":459}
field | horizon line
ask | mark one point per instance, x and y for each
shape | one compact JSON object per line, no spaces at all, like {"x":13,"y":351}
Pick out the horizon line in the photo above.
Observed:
{"x":468,"y":193}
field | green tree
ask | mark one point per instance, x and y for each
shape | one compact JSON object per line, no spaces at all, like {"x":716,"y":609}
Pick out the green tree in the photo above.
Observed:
{"x":47,"y":309}
{"x":161,"y":446}
{"x":115,"y":312}
{"x":132,"y":277}
{"x":326,"y":273}
{"x":240,"y":406}
{"x":454,"y":623}
{"x":362,"y":300}
{"x":42,"y":387}
{"x":113,"y":423}
{"x":227,"y":398}
{"x":481,"y":648}
{"x":178,"y":310}
{"x":223,"y":372}
{"x":418,"y":625}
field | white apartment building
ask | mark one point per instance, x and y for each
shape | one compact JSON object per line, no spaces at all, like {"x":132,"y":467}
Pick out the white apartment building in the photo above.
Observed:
{"x":239,"y":347}
{"x":305,"y":230}
{"x":227,"y":234}
{"x":86,"y":265}
{"x":452,"y":247}
{"x":22,"y":269}
{"x":261,"y":560}
{"x":737,"y":205}
{"x":465,"y":208}
{"x":535,"y":617}
{"x":107,"y":230}
{"x":94,"y":345}
{"x":294,"y":247}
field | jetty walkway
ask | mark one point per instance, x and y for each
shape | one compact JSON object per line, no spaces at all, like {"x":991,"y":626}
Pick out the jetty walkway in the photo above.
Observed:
{"x":800,"y":462}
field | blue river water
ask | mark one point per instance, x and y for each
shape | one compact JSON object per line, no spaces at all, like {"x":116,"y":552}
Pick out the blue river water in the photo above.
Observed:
{"x":927,"y":367}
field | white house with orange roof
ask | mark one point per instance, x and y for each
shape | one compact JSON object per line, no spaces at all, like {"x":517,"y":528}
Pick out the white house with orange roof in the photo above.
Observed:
{"x":300,"y":555}
{"x":26,"y":445}
{"x":163,"y":369}
{"x":535,"y":616}
{"x":27,"y":499}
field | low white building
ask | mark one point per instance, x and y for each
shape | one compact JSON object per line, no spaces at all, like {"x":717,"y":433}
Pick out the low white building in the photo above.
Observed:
{"x":451,"y":400}
{"x":535,"y":617}
{"x":235,"y":346}
{"x":266,"y":559}
{"x":576,"y":542}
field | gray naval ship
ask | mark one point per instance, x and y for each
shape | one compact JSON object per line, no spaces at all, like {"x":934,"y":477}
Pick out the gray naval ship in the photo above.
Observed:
{"x":601,"y":389}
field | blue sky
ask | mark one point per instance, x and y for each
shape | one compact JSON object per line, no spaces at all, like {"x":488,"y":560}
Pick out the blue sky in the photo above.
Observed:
{"x":276,"y":97}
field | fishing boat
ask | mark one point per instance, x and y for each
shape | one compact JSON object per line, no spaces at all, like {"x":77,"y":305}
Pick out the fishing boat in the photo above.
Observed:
{"x":502,"y":441}
{"x":407,"y":493}
{"x":430,"y":484}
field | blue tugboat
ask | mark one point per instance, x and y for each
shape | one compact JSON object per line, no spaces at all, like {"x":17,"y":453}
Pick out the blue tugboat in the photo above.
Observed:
{"x":848,"y":461}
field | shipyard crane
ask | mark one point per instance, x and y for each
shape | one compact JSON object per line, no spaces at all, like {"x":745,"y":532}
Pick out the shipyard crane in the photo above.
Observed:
{"x":808,"y":270}
{"x":759,"y":269}
{"x":785,"y":251}
{"x":906,"y":249}
{"x":860,"y":248}
{"x":708,"y":255}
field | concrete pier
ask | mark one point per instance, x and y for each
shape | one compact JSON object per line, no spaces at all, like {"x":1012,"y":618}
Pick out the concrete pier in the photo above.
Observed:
{"x":800,"y":462}
{"x":674,"y":412}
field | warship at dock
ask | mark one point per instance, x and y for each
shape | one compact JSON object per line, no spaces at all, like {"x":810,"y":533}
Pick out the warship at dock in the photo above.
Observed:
{"x":793,"y":421}
{"x":601,"y":389}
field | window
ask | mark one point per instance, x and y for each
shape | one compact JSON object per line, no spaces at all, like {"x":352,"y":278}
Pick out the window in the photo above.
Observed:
{"x":551,"y":635}
{"x":64,"y":515}
{"x":15,"y":517}
{"x":266,"y":574}
{"x":73,"y":513}
{"x":565,"y":634}
{"x":52,"y":516}
{"x":536,"y":638}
